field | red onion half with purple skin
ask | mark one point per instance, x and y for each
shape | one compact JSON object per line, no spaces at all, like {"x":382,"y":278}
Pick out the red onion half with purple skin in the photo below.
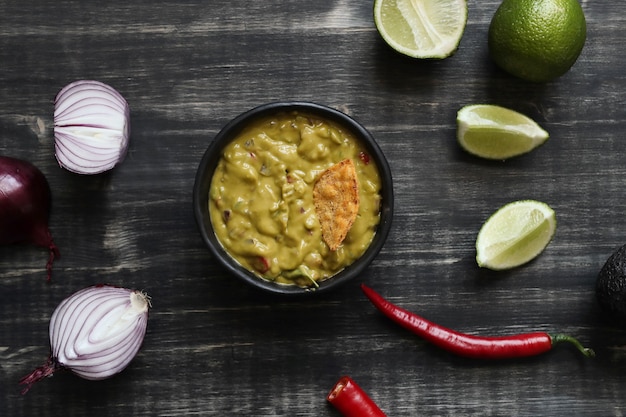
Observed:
{"x":94,"y":333}
{"x":25,"y":201}
{"x":91,"y":127}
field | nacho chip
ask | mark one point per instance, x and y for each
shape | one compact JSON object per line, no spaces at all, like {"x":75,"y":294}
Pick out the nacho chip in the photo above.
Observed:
{"x":336,"y":200}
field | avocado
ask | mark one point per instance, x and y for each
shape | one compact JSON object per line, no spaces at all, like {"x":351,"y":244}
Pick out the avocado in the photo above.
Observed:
{"x":611,"y":286}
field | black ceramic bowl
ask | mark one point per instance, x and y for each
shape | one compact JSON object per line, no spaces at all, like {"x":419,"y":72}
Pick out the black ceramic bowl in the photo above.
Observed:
{"x":214,"y":153}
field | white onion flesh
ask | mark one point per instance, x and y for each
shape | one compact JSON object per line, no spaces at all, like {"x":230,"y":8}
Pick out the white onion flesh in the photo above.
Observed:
{"x":91,"y":127}
{"x":95,"y":333}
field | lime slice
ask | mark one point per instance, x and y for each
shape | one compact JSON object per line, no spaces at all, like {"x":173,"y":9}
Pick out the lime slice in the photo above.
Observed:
{"x":515,"y":234}
{"x":421,"y":28}
{"x":496,"y":132}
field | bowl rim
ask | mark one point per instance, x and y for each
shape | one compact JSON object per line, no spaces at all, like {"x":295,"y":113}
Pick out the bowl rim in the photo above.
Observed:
{"x":214,"y":152}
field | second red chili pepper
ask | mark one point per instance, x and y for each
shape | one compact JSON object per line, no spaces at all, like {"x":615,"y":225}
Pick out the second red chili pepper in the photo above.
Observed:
{"x":503,"y":347}
{"x":350,"y":399}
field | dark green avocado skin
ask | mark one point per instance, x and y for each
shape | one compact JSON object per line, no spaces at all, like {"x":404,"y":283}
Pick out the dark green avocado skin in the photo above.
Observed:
{"x":611,"y":286}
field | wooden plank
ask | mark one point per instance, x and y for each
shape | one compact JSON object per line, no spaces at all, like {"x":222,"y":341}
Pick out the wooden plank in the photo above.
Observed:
{"x":217,"y":347}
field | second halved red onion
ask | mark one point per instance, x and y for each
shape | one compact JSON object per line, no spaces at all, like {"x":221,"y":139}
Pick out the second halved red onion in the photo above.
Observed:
{"x":91,"y":127}
{"x":95,"y":333}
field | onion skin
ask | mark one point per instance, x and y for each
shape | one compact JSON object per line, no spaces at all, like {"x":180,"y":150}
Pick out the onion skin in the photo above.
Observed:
{"x":25,"y":202}
{"x":91,"y":127}
{"x":94,"y":333}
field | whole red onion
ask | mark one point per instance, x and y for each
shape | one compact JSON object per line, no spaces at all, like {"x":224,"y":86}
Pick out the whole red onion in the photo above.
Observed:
{"x":25,"y":201}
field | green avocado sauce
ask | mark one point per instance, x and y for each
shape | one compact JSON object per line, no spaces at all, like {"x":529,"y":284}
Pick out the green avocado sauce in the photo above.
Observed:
{"x":261,"y":198}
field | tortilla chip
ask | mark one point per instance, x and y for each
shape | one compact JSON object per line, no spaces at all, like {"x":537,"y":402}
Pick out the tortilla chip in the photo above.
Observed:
{"x":336,"y":200}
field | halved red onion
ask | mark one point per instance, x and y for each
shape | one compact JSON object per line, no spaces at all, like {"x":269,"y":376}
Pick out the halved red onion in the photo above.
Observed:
{"x":91,"y":127}
{"x":95,"y":333}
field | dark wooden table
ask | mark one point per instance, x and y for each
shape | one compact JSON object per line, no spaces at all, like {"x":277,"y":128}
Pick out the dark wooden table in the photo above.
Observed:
{"x":215,"y":346}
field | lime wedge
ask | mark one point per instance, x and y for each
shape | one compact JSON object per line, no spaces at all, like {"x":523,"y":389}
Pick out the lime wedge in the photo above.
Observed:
{"x":421,"y":28}
{"x":496,"y":132}
{"x":515,"y":234}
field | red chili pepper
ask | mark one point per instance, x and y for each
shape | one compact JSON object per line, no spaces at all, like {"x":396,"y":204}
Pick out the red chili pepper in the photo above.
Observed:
{"x":364,"y":157}
{"x":351,"y":401}
{"x":502,"y":347}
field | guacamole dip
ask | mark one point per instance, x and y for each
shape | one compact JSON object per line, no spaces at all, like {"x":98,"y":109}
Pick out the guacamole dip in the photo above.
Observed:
{"x":261,"y":198}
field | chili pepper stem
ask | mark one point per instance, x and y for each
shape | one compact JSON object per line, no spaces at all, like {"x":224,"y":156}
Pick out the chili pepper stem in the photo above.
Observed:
{"x":563,"y":338}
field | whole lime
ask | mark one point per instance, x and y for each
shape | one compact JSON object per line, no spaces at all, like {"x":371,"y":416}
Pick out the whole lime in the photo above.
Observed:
{"x":537,"y":40}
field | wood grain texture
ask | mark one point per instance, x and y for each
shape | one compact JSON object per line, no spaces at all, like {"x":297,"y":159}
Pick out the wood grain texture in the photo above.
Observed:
{"x":217,"y":347}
